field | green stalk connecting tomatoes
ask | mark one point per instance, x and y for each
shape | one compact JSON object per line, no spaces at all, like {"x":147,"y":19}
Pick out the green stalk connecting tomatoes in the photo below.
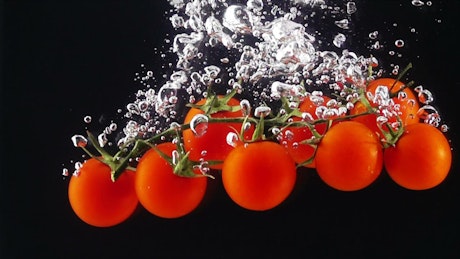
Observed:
{"x":348,"y":152}
{"x":212,"y":145}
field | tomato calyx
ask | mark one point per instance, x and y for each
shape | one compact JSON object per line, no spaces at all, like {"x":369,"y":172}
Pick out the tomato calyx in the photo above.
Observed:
{"x":215,"y":103}
{"x":180,"y":162}
{"x":117,"y":164}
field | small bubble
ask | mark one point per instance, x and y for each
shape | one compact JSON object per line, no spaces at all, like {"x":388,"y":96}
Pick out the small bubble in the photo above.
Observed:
{"x":87,"y":119}
{"x":199,"y":124}
{"x":306,"y":116}
{"x":399,"y":43}
{"x":175,"y":157}
{"x":113,"y":127}
{"x":417,"y":3}
{"x":102,"y":139}
{"x":65,"y":172}
{"x":339,"y":40}
{"x":176,"y":126}
{"x":232,"y":139}
{"x":373,"y":35}
{"x":245,"y":107}
{"x":262,"y":111}
{"x":289,"y":135}
{"x":351,"y":7}
{"x":78,"y":165}
{"x":343,"y":24}
{"x":79,"y":141}
{"x":444,"y":128}
{"x":424,"y":95}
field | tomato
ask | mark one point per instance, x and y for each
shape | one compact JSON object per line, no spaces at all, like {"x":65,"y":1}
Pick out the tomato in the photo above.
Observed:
{"x":291,"y":137}
{"x":259,"y":176}
{"x":349,"y":156}
{"x":420,"y":159}
{"x":99,"y":201}
{"x":163,"y":193}
{"x":213,"y":144}
{"x":406,"y":101}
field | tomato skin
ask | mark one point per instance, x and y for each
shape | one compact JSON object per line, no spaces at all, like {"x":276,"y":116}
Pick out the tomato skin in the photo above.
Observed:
{"x":408,"y":105}
{"x":214,"y":141}
{"x":259,"y":176}
{"x":349,"y":156}
{"x":99,"y":201}
{"x":420,"y":159}
{"x":163,"y":193}
{"x":291,"y":137}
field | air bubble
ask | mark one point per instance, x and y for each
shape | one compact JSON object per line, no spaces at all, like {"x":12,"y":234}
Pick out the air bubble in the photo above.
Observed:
{"x":444,"y":128}
{"x":199,"y":124}
{"x":399,"y":43}
{"x":245,"y":107}
{"x":262,"y":111}
{"x":429,"y":115}
{"x":232,"y":139}
{"x":373,"y":35}
{"x":424,"y":95}
{"x":417,"y":3}
{"x":175,"y":126}
{"x":175,"y":156}
{"x":87,"y":119}
{"x":339,"y":40}
{"x":343,"y":24}
{"x":351,"y":8}
{"x":79,"y":141}
{"x":102,"y":139}
{"x":237,"y":19}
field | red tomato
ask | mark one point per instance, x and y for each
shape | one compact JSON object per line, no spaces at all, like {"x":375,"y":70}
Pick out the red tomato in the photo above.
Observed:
{"x":349,"y":156}
{"x":163,"y":193}
{"x":420,"y":159}
{"x":291,"y":138}
{"x":99,"y":201}
{"x":407,"y":102}
{"x":259,"y":176}
{"x":213,"y":144}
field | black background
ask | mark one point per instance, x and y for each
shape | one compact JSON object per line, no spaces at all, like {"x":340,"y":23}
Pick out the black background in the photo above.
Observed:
{"x":63,"y":60}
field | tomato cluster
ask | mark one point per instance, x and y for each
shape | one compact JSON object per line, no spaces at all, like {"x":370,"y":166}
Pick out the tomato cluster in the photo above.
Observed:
{"x":259,"y":169}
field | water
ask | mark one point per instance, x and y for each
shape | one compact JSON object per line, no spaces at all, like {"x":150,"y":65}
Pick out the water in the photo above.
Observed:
{"x":266,"y":50}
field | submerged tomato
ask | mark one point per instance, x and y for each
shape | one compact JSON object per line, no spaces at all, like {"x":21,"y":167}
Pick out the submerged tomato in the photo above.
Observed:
{"x":420,"y":159}
{"x":212,"y":145}
{"x":163,"y":193}
{"x":293,"y":138}
{"x":259,"y":176}
{"x":406,"y":101}
{"x":349,"y":156}
{"x":99,"y":201}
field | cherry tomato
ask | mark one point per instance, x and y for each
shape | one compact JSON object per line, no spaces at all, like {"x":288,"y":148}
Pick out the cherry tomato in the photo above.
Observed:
{"x":213,"y":144}
{"x":349,"y":156}
{"x":406,"y":100}
{"x":420,"y":159}
{"x":163,"y":193}
{"x":292,"y":137}
{"x":99,"y":201}
{"x":259,"y":176}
